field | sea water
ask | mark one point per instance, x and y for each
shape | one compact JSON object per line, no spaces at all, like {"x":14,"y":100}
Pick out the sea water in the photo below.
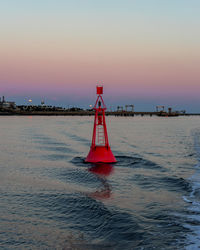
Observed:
{"x":51,"y":199}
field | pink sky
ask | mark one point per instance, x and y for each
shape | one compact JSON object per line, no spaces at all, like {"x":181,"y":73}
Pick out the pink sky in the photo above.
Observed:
{"x":139,"y":51}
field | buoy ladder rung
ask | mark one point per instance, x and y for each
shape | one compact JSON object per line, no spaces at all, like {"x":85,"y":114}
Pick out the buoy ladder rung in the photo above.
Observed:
{"x":100,"y":132}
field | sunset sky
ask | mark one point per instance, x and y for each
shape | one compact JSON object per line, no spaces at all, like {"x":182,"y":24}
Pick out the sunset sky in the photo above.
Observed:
{"x":147,"y":52}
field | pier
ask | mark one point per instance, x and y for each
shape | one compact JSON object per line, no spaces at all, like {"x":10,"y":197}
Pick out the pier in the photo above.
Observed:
{"x":90,"y":113}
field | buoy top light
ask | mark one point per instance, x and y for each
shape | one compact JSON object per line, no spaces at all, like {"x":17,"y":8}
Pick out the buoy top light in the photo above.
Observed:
{"x":99,"y":90}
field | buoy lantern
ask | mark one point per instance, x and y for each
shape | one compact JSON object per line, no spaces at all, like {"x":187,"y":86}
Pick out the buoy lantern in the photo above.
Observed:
{"x":100,"y":150}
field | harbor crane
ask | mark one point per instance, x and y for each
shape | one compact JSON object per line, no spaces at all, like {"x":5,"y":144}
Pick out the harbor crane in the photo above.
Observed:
{"x":129,"y":106}
{"x":160,"y":108}
{"x":120,"y":108}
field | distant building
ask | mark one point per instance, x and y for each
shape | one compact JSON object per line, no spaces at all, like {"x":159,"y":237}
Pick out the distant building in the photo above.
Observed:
{"x":6,"y":105}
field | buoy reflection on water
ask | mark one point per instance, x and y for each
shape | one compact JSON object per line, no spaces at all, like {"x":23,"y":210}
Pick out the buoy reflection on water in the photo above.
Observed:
{"x":102,"y":171}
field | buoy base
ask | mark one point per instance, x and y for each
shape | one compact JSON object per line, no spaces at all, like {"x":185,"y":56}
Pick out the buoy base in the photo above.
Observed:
{"x":100,"y":154}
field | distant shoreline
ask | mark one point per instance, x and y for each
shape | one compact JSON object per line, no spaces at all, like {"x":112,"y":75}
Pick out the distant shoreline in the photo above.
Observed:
{"x":87,"y":113}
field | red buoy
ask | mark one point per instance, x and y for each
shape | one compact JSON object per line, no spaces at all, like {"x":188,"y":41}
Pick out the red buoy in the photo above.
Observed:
{"x":100,"y":150}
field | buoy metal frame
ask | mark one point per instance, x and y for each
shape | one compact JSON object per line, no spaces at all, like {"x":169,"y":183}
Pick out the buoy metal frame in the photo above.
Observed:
{"x":100,"y":149}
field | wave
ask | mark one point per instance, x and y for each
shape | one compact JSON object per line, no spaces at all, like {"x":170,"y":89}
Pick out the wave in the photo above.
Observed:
{"x":192,"y":214}
{"x":137,"y":162}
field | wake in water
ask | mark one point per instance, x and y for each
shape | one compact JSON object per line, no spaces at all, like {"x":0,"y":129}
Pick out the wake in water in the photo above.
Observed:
{"x":193,"y":199}
{"x":156,"y":220}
